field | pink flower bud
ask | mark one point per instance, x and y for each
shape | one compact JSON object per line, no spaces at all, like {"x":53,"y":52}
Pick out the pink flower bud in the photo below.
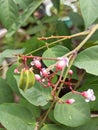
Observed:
{"x":37,"y":77}
{"x":37,"y":63}
{"x":63,"y":62}
{"x":70,"y":72}
{"x":70,"y":101}
{"x":16,"y":71}
{"x":44,"y":72}
{"x":89,"y":95}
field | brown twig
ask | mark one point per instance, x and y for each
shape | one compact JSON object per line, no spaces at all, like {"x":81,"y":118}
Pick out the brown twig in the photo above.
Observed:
{"x":65,"y":37}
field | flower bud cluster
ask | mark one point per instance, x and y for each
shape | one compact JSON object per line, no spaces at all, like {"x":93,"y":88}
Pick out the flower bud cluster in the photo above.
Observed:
{"x":45,"y":78}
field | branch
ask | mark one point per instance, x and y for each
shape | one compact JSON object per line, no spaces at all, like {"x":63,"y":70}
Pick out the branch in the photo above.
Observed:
{"x":65,"y":37}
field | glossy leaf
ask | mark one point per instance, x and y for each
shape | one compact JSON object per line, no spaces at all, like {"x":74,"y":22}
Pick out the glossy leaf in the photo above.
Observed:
{"x":16,"y":117}
{"x":88,"y":60}
{"x":72,"y":115}
{"x":6,"y":94}
{"x":89,"y":9}
{"x":8,"y":12}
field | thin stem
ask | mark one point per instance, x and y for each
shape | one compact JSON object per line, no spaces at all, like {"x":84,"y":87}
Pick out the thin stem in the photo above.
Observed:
{"x":37,"y":57}
{"x":92,"y":31}
{"x":66,"y":37}
{"x":63,"y":38}
{"x":43,"y":120}
{"x":45,"y":46}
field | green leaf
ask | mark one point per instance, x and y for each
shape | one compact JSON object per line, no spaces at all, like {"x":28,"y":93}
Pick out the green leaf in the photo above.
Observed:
{"x":89,"y":9}
{"x":23,"y":18}
{"x":32,"y":44}
{"x":11,"y":80}
{"x":8,"y":12}
{"x":62,"y":29}
{"x":72,"y":115}
{"x":8,"y":53}
{"x":52,"y":127}
{"x":6,"y":94}
{"x":16,"y":117}
{"x":23,"y":3}
{"x":36,"y":29}
{"x":35,"y":111}
{"x":54,"y":52}
{"x":37,"y":95}
{"x":76,"y":19}
{"x":91,"y":125}
{"x":90,"y":79}
{"x":88,"y":60}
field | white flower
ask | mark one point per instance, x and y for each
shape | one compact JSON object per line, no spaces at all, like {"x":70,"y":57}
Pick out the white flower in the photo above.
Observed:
{"x":89,"y":95}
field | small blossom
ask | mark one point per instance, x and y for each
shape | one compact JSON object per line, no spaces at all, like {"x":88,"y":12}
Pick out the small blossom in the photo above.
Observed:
{"x":37,"y":63}
{"x":70,"y":72}
{"x":89,"y":95}
{"x":16,"y":71}
{"x":70,"y":101}
{"x":44,"y":72}
{"x":37,"y":77}
{"x":63,"y":62}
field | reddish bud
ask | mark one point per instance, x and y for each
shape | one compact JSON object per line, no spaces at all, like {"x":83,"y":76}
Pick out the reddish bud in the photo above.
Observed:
{"x":70,"y":72}
{"x":37,"y":63}
{"x":70,"y":101}
{"x":63,"y":62}
{"x":44,"y":72}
